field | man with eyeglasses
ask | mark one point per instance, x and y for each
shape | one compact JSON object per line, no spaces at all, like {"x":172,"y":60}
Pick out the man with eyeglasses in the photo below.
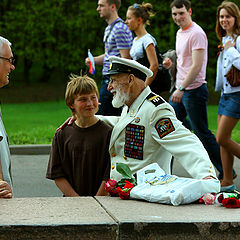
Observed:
{"x":6,"y":66}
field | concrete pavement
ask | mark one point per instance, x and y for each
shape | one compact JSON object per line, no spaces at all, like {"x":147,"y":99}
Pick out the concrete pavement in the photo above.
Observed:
{"x":105,"y":218}
{"x":37,"y":212}
{"x":29,"y":164}
{"x":28,"y":173}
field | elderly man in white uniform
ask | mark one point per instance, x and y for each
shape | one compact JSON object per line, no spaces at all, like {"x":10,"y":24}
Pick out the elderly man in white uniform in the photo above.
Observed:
{"x":147,"y":130}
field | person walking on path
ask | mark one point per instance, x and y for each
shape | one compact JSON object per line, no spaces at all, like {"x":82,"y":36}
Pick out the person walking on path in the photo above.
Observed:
{"x":117,"y":41}
{"x":228,"y":32}
{"x":144,"y":43}
{"x":191,"y":94}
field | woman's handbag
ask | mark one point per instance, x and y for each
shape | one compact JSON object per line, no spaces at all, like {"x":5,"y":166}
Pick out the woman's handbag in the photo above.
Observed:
{"x":233,"y":76}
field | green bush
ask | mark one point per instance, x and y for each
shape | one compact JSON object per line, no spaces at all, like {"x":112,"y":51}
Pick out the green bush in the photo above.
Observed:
{"x":51,"y":38}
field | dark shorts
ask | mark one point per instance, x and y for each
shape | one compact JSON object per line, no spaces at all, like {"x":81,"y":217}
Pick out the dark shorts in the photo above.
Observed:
{"x":229,"y":105}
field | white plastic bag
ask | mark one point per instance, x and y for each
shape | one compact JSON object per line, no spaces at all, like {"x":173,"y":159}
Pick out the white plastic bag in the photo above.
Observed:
{"x":154,"y":185}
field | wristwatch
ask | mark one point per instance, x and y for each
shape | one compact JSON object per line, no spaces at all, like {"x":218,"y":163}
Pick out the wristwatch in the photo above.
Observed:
{"x":180,"y":88}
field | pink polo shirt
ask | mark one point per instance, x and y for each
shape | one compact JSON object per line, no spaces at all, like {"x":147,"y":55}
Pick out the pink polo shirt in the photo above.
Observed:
{"x":186,"y":41}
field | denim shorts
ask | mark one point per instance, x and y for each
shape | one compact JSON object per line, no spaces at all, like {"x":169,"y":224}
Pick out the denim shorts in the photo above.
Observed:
{"x":229,"y":105}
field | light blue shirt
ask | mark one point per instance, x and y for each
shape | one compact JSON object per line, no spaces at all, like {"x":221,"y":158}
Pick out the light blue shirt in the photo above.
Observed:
{"x":136,"y":51}
{"x":5,"y":154}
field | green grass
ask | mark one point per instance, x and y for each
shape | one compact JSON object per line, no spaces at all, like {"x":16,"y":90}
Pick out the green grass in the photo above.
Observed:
{"x":33,"y":123}
{"x":212,"y":122}
{"x":36,"y":123}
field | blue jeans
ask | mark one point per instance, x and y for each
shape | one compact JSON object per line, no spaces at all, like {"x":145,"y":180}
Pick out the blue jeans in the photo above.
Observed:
{"x":194,"y":105}
{"x":105,"y":98}
{"x":229,"y":105}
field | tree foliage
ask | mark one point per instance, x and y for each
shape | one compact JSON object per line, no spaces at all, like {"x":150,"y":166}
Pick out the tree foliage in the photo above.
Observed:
{"x":53,"y":36}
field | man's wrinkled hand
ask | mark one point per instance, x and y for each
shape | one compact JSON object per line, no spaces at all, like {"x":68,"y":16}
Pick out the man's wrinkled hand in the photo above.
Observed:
{"x":69,"y":121}
{"x":5,"y":190}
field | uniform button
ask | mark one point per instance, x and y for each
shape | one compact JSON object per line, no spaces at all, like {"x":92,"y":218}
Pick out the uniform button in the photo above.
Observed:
{"x":226,"y":84}
{"x":125,"y":157}
{"x":113,"y":154}
{"x":210,"y":171}
{"x":132,"y":112}
{"x":210,"y":166}
{"x":113,"y":167}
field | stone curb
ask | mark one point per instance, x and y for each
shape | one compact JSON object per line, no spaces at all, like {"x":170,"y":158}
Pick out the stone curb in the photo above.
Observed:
{"x":32,"y":149}
{"x":108,"y":218}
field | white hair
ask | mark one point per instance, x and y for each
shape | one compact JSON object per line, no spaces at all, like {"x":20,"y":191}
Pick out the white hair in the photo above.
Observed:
{"x":2,"y":41}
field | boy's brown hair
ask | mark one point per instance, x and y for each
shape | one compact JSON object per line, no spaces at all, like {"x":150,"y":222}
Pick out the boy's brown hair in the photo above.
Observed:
{"x":79,"y":85}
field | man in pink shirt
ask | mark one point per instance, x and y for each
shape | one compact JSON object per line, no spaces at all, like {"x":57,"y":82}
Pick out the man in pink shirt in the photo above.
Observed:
{"x":191,"y":94}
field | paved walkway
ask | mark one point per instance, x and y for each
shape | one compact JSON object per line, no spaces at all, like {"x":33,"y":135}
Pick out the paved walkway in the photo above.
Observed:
{"x":37,"y":212}
{"x":29,"y":172}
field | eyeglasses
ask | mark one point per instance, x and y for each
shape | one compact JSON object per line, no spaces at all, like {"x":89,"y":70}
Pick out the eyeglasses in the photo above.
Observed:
{"x":11,"y":60}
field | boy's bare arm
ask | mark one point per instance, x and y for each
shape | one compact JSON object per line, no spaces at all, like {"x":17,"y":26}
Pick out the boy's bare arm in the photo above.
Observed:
{"x":65,"y":187}
{"x":101,"y":191}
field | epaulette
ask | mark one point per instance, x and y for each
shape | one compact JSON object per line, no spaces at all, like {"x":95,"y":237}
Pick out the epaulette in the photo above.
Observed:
{"x":155,"y":99}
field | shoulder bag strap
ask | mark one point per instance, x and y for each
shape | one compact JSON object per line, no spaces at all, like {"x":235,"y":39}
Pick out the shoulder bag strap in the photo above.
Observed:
{"x":111,"y":28}
{"x":144,"y":51}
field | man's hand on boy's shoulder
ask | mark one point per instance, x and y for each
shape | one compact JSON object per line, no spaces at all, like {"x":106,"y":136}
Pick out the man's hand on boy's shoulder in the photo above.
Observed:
{"x":69,"y":121}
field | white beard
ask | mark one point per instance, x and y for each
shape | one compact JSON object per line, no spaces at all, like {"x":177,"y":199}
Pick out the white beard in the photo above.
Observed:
{"x":119,"y":99}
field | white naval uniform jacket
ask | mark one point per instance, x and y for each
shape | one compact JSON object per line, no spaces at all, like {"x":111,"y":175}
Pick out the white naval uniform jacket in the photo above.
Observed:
{"x":149,"y":132}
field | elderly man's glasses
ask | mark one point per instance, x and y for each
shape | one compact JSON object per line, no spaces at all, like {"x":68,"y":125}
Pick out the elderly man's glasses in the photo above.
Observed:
{"x":11,"y":59}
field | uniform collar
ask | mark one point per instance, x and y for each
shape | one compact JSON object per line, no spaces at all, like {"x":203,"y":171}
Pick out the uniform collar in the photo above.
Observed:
{"x":133,"y":109}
